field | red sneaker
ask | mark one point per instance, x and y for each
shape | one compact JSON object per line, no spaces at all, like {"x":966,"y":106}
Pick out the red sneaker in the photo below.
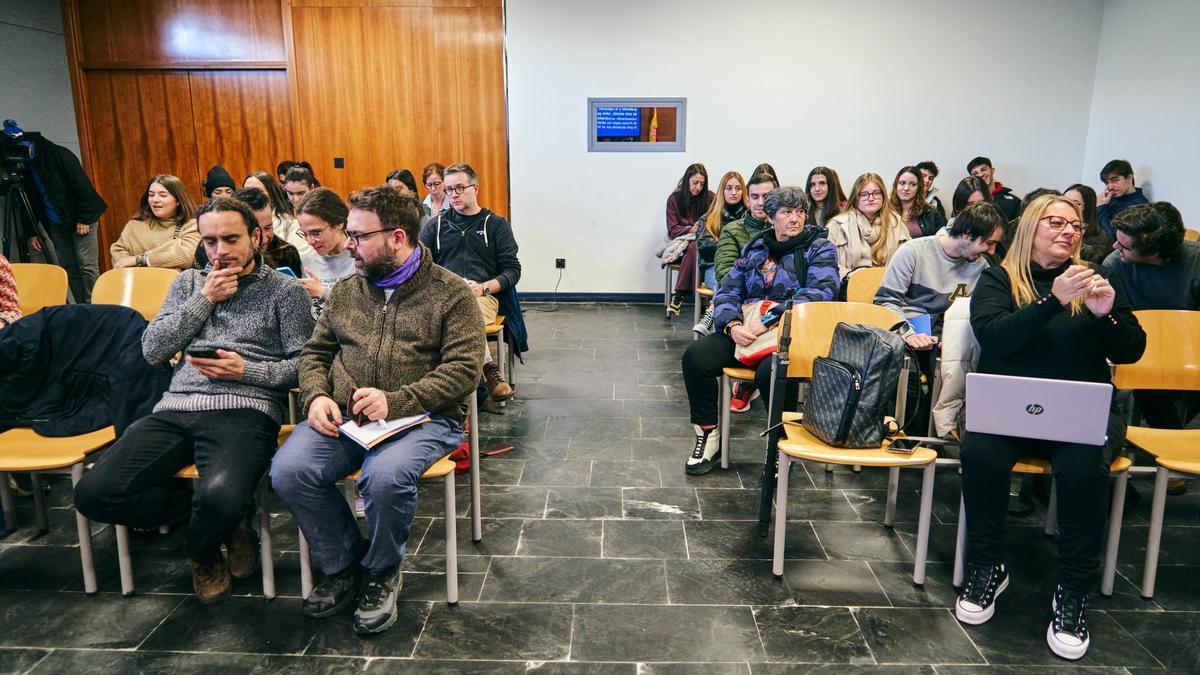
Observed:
{"x":743,"y":394}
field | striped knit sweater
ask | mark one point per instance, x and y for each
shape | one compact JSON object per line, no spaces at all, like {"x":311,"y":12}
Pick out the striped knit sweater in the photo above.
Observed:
{"x":266,"y":322}
{"x":10,"y":309}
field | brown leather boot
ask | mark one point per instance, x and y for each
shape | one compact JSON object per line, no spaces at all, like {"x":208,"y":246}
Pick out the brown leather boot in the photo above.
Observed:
{"x":242,"y":550}
{"x":211,"y":582}
{"x":498,"y":388}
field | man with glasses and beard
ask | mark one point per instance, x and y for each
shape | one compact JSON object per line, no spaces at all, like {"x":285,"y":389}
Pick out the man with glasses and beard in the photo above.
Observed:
{"x":402,"y":337}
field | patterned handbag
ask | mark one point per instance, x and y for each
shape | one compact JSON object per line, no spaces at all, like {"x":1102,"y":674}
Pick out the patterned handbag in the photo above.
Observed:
{"x":854,"y":388}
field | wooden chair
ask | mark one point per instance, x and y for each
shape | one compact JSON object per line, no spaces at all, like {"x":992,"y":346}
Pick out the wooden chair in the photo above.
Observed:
{"x":139,"y":288}
{"x":1171,"y":362}
{"x":267,"y":562}
{"x":812,"y":324}
{"x":23,"y":450}
{"x":799,"y":444}
{"x":1191,"y":235}
{"x":862,"y":284}
{"x":443,"y":469}
{"x":1119,"y":469}
{"x":39,"y":285}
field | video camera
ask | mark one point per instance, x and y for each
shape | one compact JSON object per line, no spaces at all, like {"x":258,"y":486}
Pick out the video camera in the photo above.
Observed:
{"x":14,"y":162}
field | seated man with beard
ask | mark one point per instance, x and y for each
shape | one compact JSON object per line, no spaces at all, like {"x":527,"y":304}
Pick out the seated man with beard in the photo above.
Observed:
{"x":402,"y":337}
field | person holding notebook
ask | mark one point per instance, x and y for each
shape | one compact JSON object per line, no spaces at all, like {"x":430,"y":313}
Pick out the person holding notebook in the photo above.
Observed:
{"x":420,"y":353}
{"x":1044,"y":313}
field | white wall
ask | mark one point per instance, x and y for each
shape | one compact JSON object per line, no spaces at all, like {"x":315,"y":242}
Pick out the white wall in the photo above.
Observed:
{"x":957,"y":78}
{"x":1146,"y":105}
{"x":35,"y":83}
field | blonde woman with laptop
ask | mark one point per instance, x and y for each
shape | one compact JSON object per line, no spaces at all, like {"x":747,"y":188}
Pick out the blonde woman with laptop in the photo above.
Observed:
{"x":1044,"y":313}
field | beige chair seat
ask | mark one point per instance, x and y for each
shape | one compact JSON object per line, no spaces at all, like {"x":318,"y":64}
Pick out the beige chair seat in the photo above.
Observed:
{"x":23,"y":449}
{"x":800,"y":444}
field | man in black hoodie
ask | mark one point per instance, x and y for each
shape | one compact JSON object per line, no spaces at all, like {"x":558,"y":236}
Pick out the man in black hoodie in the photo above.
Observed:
{"x":64,"y":199}
{"x":981,"y":168}
{"x":478,"y":246}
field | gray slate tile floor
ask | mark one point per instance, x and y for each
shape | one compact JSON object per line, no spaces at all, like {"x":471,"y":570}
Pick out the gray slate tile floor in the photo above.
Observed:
{"x":601,"y":556}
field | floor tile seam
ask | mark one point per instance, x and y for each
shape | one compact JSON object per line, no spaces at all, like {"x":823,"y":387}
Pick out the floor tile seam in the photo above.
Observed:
{"x":571,"y":637}
{"x":863,"y":635}
{"x":1133,"y":637}
{"x":37,"y":663}
{"x":879,"y":583}
{"x":424,"y":623}
{"x":161,"y":621}
{"x":758,"y":632}
{"x":817,"y":536}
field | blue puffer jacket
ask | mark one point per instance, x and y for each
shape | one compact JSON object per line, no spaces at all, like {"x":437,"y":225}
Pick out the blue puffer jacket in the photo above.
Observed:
{"x":745,"y":282}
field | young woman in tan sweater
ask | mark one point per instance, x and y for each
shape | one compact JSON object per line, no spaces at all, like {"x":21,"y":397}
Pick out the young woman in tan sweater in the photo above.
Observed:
{"x":163,"y":233}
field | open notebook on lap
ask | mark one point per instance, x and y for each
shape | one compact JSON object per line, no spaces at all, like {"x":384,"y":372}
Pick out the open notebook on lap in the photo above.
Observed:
{"x":1029,"y":407}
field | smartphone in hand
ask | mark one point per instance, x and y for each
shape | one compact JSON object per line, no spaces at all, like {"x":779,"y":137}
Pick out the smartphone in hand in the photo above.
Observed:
{"x":203,"y":353}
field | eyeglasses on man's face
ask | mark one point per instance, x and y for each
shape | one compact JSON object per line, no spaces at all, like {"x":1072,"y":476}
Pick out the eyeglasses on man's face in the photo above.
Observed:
{"x":357,"y":237}
{"x":459,"y":189}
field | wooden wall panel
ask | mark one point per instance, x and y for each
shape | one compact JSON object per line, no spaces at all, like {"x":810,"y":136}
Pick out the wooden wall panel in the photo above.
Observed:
{"x":141,"y":126}
{"x":469,"y":80}
{"x":178,"y":32}
{"x":363,"y":92}
{"x":242,"y":119}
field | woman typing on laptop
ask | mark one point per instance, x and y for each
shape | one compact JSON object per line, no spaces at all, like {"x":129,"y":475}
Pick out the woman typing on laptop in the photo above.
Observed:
{"x":1045,"y":314}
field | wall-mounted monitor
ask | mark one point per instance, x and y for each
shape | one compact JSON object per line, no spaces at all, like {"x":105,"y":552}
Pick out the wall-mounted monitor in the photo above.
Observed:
{"x":637,"y":124}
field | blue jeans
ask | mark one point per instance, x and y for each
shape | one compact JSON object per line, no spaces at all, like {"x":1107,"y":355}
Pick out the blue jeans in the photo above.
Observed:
{"x":710,"y":276}
{"x":307,"y":468}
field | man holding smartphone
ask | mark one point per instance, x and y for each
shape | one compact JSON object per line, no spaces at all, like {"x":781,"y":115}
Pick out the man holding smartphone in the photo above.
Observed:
{"x":242,"y":325}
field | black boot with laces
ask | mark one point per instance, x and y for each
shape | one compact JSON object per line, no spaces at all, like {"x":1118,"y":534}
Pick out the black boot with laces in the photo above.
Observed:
{"x":1067,"y":634}
{"x":977,"y":602}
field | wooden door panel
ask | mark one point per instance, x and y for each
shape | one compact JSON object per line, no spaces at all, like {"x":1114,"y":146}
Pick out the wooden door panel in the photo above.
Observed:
{"x":243,"y":120}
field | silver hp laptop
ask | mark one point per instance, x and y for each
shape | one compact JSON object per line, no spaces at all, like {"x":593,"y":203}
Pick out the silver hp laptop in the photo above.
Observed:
{"x":1030,"y":407}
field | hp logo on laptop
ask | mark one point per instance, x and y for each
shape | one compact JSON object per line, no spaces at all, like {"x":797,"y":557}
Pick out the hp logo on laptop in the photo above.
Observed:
{"x":1034,"y":409}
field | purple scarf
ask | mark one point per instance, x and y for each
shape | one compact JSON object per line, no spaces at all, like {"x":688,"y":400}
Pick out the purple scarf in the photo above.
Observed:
{"x":402,"y":273}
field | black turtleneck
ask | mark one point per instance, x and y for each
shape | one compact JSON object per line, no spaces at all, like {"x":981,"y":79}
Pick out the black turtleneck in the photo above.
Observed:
{"x":1043,"y":339}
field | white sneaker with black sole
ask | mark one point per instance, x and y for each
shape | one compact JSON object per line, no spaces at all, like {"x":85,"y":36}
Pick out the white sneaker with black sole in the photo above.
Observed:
{"x":977,"y":602}
{"x":1067,"y":634}
{"x":706,"y":452}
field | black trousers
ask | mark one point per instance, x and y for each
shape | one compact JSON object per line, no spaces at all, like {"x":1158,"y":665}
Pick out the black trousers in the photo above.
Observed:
{"x":1081,"y":477}
{"x":130,"y":484}
{"x":703,"y":361}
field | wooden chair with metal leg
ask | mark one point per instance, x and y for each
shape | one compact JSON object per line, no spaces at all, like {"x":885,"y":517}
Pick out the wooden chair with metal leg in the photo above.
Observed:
{"x":862,"y":284}
{"x":139,"y":288}
{"x":25,"y":451}
{"x":812,"y":327}
{"x":125,"y":559}
{"x":443,"y":469}
{"x":1171,"y":362}
{"x":1191,"y":235}
{"x":809,"y":340}
{"x":669,"y":288}
{"x":39,"y":285}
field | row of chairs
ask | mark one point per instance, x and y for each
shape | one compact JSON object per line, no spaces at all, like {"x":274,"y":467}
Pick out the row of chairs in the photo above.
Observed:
{"x":24,"y":451}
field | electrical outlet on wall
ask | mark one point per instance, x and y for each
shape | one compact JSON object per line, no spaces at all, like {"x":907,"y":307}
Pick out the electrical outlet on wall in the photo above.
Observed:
{"x":560,"y":263}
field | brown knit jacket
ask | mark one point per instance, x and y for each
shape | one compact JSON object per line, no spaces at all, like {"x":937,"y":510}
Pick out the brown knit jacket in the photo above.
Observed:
{"x":423,"y":347}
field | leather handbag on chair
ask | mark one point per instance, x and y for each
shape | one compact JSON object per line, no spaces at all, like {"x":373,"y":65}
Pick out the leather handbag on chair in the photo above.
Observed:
{"x":854,"y":388}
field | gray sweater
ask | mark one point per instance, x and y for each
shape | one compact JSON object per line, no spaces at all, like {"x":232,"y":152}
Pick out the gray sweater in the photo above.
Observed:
{"x":267,"y":322}
{"x":922,"y":279}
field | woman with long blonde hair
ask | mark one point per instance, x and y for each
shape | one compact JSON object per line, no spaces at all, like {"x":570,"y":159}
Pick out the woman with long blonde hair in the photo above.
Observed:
{"x":869,"y":231}
{"x":1044,"y":313}
{"x":728,"y":207}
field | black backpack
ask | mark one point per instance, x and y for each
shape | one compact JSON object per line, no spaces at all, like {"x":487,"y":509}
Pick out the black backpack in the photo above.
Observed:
{"x":854,"y":387}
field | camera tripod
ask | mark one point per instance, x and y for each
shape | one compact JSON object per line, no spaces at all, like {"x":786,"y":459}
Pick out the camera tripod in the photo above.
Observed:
{"x":17,"y":221}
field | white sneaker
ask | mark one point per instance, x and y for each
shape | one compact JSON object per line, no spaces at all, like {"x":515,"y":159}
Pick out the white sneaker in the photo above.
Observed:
{"x":706,"y":451}
{"x":1067,"y":633}
{"x":984,"y":584}
{"x":705,"y":326}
